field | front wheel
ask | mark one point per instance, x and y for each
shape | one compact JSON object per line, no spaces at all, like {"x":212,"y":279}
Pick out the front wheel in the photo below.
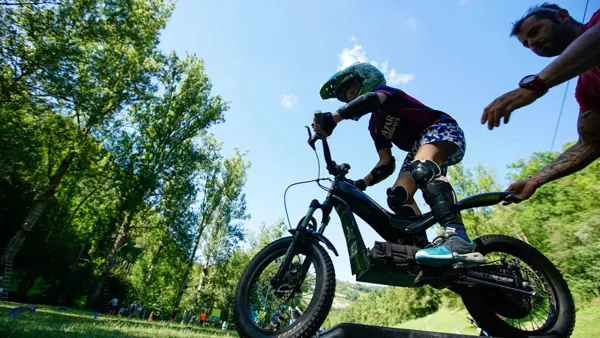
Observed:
{"x":294,"y":307}
{"x":551,"y":311}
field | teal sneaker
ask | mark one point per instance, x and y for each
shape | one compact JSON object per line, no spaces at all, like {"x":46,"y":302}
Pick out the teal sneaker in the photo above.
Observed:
{"x":447,"y":249}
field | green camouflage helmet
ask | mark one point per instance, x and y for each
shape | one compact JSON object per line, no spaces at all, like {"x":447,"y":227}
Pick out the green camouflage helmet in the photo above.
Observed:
{"x":365,"y":73}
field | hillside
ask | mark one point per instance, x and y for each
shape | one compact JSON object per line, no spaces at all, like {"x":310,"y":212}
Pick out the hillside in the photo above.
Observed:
{"x":447,"y":320}
{"x":347,"y":292}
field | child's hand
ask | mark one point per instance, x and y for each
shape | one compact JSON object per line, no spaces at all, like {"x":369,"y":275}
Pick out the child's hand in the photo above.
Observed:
{"x":328,"y":126}
{"x":317,"y":128}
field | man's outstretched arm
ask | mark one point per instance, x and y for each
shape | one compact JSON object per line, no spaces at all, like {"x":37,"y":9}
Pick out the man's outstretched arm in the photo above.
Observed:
{"x":581,"y":55}
{"x":577,"y":157}
{"x":580,"y":155}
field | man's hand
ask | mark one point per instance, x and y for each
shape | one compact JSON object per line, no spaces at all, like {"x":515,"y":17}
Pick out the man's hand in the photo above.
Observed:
{"x":523,"y":189}
{"x":505,"y":105}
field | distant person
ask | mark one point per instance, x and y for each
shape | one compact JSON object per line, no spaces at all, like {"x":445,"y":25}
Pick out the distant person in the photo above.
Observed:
{"x":113,"y":306}
{"x":132,"y":309}
{"x":202,"y":318}
{"x":184,"y":317}
{"x":139,"y":311}
{"x":174,"y":314}
{"x":549,"y":31}
{"x":433,"y":141}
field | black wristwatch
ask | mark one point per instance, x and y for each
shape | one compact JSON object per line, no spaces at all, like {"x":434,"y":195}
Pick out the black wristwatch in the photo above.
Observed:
{"x":534,"y":83}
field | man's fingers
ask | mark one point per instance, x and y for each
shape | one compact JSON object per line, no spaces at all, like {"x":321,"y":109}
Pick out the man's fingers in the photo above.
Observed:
{"x":491,"y":120}
{"x":485,"y":115}
{"x":506,"y":118}
{"x":513,"y":199}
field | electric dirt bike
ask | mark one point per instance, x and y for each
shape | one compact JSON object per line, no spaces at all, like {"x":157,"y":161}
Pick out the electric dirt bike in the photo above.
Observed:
{"x":517,"y":292}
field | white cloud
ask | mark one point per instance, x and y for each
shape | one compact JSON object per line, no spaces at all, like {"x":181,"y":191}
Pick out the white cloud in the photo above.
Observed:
{"x":463,"y":2}
{"x":349,"y":56}
{"x":411,"y":24}
{"x":288,"y":100}
{"x":394,"y":78}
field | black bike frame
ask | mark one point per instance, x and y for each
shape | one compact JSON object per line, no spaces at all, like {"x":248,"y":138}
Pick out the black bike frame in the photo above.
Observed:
{"x":349,"y":200}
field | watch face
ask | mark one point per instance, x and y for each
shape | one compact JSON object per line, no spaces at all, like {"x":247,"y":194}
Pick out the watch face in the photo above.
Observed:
{"x":527,"y":79}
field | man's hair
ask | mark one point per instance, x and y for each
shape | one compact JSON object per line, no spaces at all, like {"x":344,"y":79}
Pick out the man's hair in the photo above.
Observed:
{"x":544,"y":11}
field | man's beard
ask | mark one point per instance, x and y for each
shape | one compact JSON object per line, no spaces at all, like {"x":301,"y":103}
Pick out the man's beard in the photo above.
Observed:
{"x":563,"y":35}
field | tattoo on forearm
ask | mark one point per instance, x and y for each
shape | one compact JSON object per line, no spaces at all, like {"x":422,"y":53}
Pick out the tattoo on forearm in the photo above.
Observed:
{"x":580,"y":155}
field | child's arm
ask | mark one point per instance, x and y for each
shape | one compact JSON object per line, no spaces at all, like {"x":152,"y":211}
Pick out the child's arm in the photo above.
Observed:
{"x":360,"y":106}
{"x":354,"y":110}
{"x":383,"y":169}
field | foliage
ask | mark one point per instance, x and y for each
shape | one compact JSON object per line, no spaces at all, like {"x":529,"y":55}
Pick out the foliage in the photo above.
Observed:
{"x":111,"y":183}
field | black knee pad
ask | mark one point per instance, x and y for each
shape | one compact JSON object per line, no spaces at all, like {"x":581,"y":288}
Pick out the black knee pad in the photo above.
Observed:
{"x":440,"y":196}
{"x":424,"y":172}
{"x":396,"y":198}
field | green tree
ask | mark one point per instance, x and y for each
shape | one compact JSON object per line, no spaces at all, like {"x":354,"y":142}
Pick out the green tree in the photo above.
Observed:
{"x":157,"y":140}
{"x":82,"y":60}
{"x":225,"y":233}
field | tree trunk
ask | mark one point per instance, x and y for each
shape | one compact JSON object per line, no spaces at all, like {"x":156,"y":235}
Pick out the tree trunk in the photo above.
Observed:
{"x":110,"y":259}
{"x":184,"y":281}
{"x":36,"y":210}
{"x":202,"y":277}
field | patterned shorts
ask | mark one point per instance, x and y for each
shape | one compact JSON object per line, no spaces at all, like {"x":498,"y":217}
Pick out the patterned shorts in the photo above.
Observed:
{"x":437,"y":133}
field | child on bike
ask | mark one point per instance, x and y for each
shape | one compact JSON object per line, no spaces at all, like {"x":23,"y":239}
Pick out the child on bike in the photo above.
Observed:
{"x":432,"y":139}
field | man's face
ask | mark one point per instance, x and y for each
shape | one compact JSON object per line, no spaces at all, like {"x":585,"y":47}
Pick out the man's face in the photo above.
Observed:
{"x":546,"y":37}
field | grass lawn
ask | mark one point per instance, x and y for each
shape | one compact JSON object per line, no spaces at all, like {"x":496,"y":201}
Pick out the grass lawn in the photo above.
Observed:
{"x":47,"y":322}
{"x":445,"y":320}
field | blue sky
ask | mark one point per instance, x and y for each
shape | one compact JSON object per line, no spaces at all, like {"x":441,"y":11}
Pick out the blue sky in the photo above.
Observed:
{"x":270,"y":58}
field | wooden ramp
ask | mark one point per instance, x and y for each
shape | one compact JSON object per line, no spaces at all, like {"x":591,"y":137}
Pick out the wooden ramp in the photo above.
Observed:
{"x":351,"y":330}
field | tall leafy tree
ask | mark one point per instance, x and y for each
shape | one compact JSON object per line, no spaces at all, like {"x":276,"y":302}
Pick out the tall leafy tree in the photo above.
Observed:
{"x":158,"y":140}
{"x":83,"y":60}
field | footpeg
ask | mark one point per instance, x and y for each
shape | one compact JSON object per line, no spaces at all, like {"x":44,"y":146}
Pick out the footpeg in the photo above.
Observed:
{"x":473,"y":258}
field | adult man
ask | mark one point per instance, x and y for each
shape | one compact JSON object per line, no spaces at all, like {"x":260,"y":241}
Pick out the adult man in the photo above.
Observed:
{"x":548,"y":30}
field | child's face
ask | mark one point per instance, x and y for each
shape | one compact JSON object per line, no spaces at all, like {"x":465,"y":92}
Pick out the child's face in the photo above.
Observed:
{"x":352,"y":90}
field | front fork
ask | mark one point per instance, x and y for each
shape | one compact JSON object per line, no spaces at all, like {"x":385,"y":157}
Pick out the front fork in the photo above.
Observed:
{"x":300,"y":237}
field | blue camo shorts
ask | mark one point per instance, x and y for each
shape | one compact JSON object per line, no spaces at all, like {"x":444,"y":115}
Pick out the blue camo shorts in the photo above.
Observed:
{"x":436,"y":133}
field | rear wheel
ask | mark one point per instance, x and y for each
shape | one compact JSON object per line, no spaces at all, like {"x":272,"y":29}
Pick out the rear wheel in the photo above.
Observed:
{"x":297,"y":306}
{"x":550,"y":311}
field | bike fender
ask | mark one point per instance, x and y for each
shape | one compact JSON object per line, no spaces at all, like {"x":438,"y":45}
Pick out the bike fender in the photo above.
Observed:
{"x":318,"y":236}
{"x":323,"y":239}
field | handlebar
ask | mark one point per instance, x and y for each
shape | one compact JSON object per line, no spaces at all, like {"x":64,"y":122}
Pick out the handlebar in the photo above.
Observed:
{"x":332,"y":167}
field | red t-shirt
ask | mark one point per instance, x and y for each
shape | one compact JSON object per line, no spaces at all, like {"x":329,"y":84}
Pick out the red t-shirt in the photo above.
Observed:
{"x":401,"y":119}
{"x":587,"y":92}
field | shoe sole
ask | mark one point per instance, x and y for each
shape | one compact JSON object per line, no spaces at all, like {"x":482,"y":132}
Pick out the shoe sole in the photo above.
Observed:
{"x":473,"y":258}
